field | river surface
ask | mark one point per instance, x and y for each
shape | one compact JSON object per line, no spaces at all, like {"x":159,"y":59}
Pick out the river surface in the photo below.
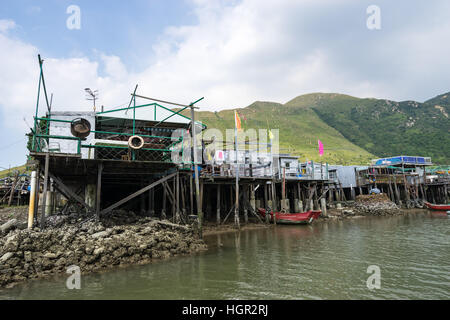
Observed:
{"x":328,"y":260}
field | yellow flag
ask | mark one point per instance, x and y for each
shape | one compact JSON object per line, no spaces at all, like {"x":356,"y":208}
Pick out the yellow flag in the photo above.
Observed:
{"x":270,"y":135}
{"x":237,"y":120}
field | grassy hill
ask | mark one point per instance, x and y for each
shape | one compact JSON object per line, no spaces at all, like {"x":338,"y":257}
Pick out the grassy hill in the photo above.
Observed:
{"x":11,"y":172}
{"x":353,"y":130}
{"x":300,"y":128}
{"x":385,"y":127}
{"x":443,"y":99}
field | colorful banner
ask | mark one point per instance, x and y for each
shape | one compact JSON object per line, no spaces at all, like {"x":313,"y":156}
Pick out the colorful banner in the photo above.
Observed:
{"x":320,"y":147}
{"x":237,"y":120}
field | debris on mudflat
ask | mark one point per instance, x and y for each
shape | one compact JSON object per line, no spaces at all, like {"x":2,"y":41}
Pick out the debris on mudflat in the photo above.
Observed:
{"x":376,"y":204}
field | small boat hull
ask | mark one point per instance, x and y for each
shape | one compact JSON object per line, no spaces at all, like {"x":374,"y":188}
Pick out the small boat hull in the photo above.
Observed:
{"x":441,"y":207}
{"x":292,"y":218}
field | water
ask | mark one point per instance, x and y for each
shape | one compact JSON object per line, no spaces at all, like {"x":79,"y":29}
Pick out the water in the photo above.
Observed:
{"x":322,"y":261}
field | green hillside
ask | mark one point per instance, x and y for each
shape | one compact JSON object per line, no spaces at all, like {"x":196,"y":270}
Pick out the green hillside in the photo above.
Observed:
{"x":11,"y":172}
{"x":385,"y":127}
{"x":300,"y":128}
{"x":353,"y":130}
{"x":443,"y":99}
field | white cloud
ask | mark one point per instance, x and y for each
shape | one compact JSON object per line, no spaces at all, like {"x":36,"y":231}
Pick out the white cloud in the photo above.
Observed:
{"x":239,"y":52}
{"x":6,"y":24}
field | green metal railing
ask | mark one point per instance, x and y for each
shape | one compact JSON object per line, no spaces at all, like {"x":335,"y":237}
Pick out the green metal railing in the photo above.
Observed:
{"x":169,"y":144}
{"x":41,"y":130}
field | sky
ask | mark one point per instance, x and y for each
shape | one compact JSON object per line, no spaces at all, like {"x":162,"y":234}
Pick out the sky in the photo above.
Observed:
{"x":230,"y":52}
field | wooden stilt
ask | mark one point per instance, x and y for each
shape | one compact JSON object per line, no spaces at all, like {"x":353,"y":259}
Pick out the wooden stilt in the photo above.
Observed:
{"x":274,"y":195}
{"x":151,"y":202}
{"x":397,"y":192}
{"x":44,"y":194}
{"x":391,"y":192}
{"x":13,"y":189}
{"x":99,"y":191}
{"x":245,"y":191}
{"x":274,"y":205}
{"x":183,"y":198}
{"x":142,"y":199}
{"x":163,"y":211}
{"x":191,"y":195}
{"x":218,"y":205}
{"x":177,"y":200}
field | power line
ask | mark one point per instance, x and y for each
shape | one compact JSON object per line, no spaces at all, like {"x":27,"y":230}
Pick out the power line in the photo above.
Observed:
{"x":12,"y":144}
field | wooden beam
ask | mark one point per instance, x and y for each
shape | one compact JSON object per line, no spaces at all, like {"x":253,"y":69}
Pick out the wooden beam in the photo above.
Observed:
{"x":13,"y":188}
{"x":137,"y":193}
{"x":68,"y":193}
{"x":99,"y":190}
{"x":169,"y":192}
{"x":177,"y":200}
{"x":44,"y":193}
{"x":218,"y":205}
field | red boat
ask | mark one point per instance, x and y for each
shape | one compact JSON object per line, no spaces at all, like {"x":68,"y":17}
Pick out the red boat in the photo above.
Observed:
{"x":441,"y":207}
{"x":292,"y":218}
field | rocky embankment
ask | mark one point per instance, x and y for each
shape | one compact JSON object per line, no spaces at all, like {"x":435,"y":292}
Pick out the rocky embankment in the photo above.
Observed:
{"x":120,"y":239}
{"x":365,"y":205}
{"x":375,"y":205}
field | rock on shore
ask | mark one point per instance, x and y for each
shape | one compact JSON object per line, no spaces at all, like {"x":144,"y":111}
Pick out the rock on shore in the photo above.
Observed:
{"x":377,"y":204}
{"x":27,"y":254}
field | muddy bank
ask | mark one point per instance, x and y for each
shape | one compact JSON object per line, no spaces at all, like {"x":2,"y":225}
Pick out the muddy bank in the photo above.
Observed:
{"x":212,"y":229}
{"x":91,"y":245}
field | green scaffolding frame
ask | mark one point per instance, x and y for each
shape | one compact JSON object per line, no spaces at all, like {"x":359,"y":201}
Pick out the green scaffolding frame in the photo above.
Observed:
{"x":36,"y":135}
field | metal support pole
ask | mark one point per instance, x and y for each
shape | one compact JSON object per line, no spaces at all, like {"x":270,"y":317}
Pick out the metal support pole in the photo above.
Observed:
{"x":33,"y":202}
